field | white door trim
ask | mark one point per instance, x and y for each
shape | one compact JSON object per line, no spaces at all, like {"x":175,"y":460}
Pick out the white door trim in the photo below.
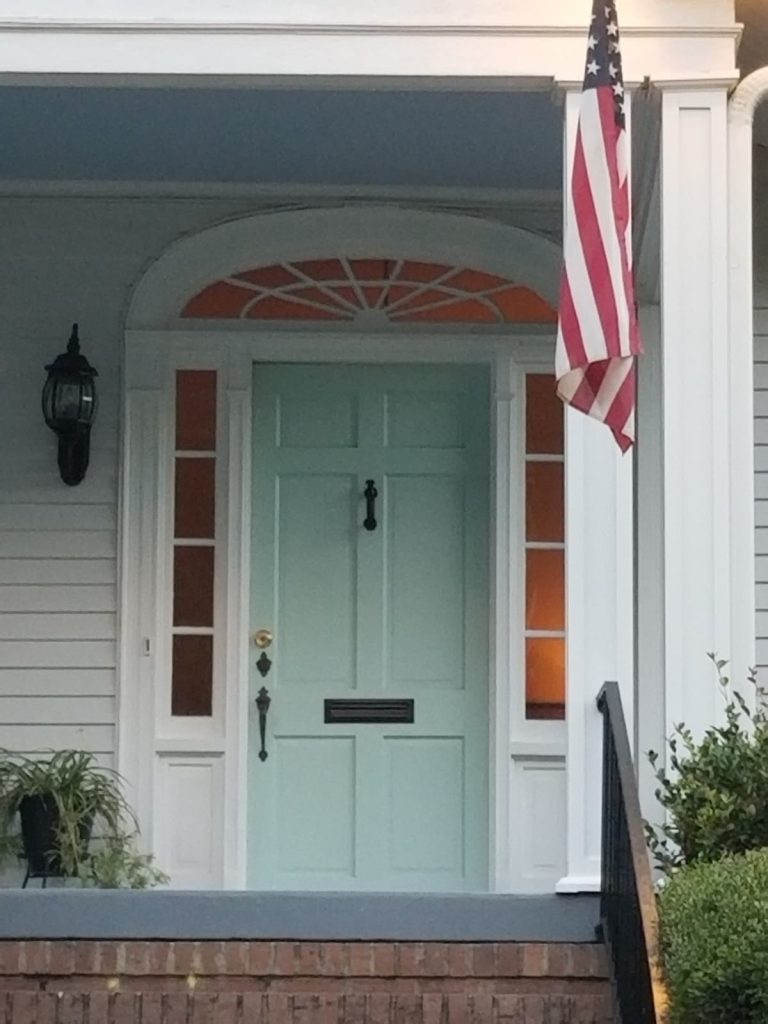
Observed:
{"x":221,"y":742}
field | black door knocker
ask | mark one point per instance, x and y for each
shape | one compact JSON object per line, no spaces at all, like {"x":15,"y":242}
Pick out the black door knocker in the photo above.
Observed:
{"x":371,"y":494}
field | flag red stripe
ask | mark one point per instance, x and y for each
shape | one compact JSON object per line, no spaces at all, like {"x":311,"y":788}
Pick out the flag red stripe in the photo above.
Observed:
{"x":585,"y":215}
{"x":613,"y":138}
{"x":624,"y":401}
{"x":577,"y":354}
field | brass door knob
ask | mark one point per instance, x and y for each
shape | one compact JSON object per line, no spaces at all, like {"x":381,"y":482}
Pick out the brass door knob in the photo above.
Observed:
{"x":262,"y":638}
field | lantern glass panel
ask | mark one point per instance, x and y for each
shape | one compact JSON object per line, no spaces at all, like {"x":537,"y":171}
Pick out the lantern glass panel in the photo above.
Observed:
{"x":67,"y":400}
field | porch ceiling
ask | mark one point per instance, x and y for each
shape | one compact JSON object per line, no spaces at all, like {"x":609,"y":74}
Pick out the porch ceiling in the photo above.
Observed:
{"x":295,"y":137}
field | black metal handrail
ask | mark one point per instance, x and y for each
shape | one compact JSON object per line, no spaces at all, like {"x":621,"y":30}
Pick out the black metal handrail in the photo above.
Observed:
{"x":627,"y":898}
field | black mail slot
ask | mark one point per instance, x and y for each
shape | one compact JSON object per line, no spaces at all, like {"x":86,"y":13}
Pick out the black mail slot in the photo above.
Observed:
{"x":368,"y":710}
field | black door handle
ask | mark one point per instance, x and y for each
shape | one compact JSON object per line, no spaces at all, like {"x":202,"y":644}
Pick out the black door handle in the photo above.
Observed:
{"x":262,"y":703}
{"x":371,"y":494}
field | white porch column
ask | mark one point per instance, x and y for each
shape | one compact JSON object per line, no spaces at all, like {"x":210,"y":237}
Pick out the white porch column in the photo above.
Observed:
{"x":744,"y":101}
{"x":696,"y":403}
{"x":599,"y":606}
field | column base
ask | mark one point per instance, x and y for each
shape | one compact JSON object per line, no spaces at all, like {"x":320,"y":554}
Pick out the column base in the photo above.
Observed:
{"x":572,"y":884}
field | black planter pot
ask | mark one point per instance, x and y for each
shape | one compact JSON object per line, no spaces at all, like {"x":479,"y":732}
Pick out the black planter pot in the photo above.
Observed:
{"x":39,"y":836}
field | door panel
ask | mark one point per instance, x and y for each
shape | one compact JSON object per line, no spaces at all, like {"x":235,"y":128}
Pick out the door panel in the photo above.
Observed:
{"x":316,"y":579}
{"x":425,"y":791}
{"x":326,"y":813}
{"x":398,"y":611}
{"x":418,"y":419}
{"x":424,"y":572}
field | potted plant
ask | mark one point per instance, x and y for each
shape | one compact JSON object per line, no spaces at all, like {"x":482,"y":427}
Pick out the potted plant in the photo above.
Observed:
{"x":68,"y":817}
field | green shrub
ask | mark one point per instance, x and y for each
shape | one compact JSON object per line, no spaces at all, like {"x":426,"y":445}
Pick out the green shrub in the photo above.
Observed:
{"x":714,"y":941}
{"x":715,"y":790}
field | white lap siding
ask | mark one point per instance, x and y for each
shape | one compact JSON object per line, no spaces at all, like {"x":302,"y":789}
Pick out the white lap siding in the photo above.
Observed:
{"x":761,"y":485}
{"x":66,"y":260}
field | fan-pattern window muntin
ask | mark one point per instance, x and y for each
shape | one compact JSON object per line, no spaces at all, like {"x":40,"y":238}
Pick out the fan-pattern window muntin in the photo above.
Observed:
{"x":369,"y":290}
{"x":545,"y":637}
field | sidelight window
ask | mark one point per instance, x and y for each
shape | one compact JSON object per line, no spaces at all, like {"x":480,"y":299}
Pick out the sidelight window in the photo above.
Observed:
{"x":194,"y":543}
{"x":544,"y":550}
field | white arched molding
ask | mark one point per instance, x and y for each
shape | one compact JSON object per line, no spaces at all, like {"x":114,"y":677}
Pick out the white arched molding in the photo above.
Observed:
{"x":741,"y":113}
{"x":357,"y":233}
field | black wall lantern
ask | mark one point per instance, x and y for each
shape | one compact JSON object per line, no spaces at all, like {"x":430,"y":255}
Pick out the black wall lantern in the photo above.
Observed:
{"x":69,"y":407}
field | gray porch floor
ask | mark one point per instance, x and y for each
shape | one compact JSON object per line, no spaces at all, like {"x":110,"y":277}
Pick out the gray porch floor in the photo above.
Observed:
{"x":100,"y":914}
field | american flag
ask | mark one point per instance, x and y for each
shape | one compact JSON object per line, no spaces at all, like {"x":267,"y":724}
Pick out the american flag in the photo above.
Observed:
{"x":598,"y":335}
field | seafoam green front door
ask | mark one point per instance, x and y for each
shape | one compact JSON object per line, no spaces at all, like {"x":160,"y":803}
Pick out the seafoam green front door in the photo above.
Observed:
{"x":373,"y":773}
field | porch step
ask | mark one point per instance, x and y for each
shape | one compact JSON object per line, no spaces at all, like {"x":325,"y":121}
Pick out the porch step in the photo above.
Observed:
{"x":169,"y":982}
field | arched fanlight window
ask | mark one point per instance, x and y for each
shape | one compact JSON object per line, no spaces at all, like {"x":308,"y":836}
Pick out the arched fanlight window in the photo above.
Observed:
{"x":369,"y":292}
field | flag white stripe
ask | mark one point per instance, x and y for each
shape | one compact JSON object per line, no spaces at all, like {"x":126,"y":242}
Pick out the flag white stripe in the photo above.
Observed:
{"x":585,"y":305}
{"x":602,"y":196}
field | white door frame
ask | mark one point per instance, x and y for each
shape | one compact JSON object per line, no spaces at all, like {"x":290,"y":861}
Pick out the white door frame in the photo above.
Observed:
{"x":152,"y":745}
{"x":206,"y":758}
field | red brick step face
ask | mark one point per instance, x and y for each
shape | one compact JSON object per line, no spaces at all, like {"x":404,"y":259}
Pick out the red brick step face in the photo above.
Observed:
{"x":160,"y":982}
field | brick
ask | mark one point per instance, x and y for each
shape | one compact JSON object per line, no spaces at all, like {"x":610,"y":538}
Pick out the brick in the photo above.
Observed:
{"x":97,"y":1008}
{"x":73,"y":1008}
{"x":278,"y":1008}
{"x":558,"y":960}
{"x":151,"y":1007}
{"x":406,"y":1009}
{"x":227,"y":1008}
{"x":354,"y":1009}
{"x":106,"y":957}
{"x":459,"y":960}
{"x":84,"y":957}
{"x":383,"y":959}
{"x":253,"y":1008}
{"x":34,"y":957}
{"x":209,"y":957}
{"x":481,"y":1008}
{"x":510,"y":1009}
{"x":484,"y":960}
{"x":432,"y":1008}
{"x":458,"y":1008}
{"x":236,"y":959}
{"x":124,"y":1008}
{"x":535,"y":959}
{"x":284,"y":958}
{"x":379,"y":1008}
{"x":329,"y":1010}
{"x":539,"y":1009}
{"x":436,"y":959}
{"x":589,"y":961}
{"x":135,"y":958}
{"x":48,"y":1004}
{"x":334,"y":959}
{"x":21,"y":1007}
{"x":305,"y":1008}
{"x":261,"y":958}
{"x":201,"y":1008}
{"x":186,"y":958}
{"x":509,"y":960}
{"x":9,"y":959}
{"x":307,"y":959}
{"x":160,"y":958}
{"x":360,"y":959}
{"x":410,"y":959}
{"x":175,"y":1008}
